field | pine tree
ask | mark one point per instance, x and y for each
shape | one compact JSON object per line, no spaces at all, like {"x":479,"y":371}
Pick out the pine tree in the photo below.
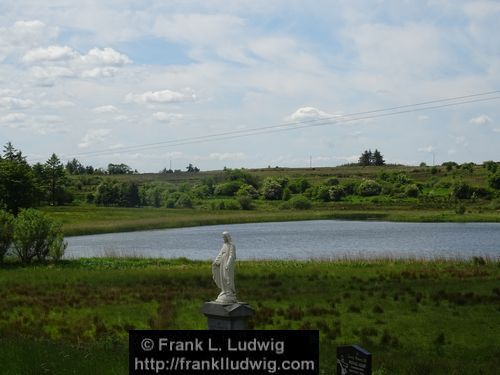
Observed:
{"x":365,"y":158}
{"x":54,"y":172}
{"x":378,"y":159}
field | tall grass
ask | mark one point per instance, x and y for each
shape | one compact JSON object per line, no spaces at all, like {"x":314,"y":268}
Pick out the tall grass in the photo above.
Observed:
{"x":415,"y":316}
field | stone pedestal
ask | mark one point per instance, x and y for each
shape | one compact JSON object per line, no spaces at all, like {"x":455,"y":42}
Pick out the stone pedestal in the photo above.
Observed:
{"x":227,"y":317}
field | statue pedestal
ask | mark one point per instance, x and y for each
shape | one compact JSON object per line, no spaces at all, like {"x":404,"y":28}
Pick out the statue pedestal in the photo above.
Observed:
{"x":227,"y":317}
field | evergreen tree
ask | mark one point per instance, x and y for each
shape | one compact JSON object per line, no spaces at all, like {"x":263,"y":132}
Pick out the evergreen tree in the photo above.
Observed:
{"x":378,"y":159}
{"x":17,"y":185}
{"x":54,"y":174}
{"x":11,"y":153}
{"x":365,"y":158}
{"x":75,"y":167}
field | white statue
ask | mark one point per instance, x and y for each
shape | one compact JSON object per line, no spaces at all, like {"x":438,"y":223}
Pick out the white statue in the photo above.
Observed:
{"x":223,"y":271}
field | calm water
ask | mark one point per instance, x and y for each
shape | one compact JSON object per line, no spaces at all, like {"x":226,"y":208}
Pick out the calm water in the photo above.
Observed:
{"x":301,"y":240}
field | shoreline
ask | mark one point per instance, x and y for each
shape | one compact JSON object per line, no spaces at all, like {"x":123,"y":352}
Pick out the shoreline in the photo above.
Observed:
{"x":78,"y":221}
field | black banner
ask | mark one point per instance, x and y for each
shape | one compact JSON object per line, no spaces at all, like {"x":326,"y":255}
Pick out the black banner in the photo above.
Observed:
{"x":223,"y":352}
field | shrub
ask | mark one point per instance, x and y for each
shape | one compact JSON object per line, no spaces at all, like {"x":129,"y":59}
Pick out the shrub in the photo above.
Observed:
{"x":336,"y":193}
{"x":247,"y":191}
{"x":461,"y":190}
{"x":184,"y":201}
{"x":332,"y":181}
{"x":494,"y":181}
{"x":412,"y":191}
{"x":227,"y":189}
{"x":58,"y":247}
{"x":35,"y":235}
{"x":369,"y":188}
{"x":245,"y":202}
{"x":490,"y":166}
{"x":322,"y":193}
{"x":171,"y":199}
{"x":299,"y":185}
{"x":6,"y":232}
{"x":201,"y":191}
{"x":299,"y":202}
{"x":272,"y":189}
{"x":350,"y":188}
{"x":232,"y":204}
{"x":481,"y":192}
{"x":286,"y":194}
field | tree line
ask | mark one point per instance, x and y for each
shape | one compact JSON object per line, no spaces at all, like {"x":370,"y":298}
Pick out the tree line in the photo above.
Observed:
{"x":371,"y":158}
{"x":23,"y":185}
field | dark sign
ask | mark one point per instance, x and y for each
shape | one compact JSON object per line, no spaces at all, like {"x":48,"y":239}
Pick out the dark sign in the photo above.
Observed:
{"x":353,"y":360}
{"x":227,"y":352}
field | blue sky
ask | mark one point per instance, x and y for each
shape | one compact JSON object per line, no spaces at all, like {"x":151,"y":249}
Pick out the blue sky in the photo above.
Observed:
{"x":93,"y":79}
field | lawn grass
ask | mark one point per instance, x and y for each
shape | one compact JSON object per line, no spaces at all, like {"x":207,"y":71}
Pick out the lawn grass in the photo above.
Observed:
{"x":81,"y":220}
{"x":415,"y":316}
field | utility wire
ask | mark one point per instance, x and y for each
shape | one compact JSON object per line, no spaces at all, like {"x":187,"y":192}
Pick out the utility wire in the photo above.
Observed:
{"x":331,"y":120}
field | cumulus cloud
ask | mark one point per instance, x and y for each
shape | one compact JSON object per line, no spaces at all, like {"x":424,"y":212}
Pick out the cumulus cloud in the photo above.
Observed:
{"x":426,"y":149}
{"x":481,"y":120}
{"x":105,"y":56}
{"x":62,"y":62}
{"x":309,"y":113}
{"x":226,"y":156}
{"x":51,"y":53}
{"x":93,"y":136}
{"x":22,"y":35}
{"x":167,"y":117}
{"x":58,"y":104}
{"x":11,"y":102}
{"x":51,"y":72}
{"x":105,"y":109}
{"x":13,"y":118}
{"x":161,"y":97}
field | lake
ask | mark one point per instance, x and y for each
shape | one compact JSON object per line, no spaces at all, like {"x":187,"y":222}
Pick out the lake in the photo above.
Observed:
{"x":319,"y":239}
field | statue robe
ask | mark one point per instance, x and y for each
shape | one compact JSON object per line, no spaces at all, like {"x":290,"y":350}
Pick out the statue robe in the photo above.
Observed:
{"x":223,"y":273}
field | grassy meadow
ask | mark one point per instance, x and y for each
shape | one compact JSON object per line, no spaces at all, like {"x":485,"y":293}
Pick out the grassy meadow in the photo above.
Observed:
{"x":167,"y":200}
{"x":416,"y":317}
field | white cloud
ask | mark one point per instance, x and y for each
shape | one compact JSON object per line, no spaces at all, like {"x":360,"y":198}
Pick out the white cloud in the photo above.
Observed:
{"x":198,"y":29}
{"x":120,"y":118}
{"x":481,"y":120}
{"x":13,"y":118}
{"x":94,"y":136}
{"x":309,"y":113}
{"x":105,"y":72}
{"x":423,"y":118}
{"x":348,"y":159}
{"x":11,"y":102}
{"x":426,"y":149}
{"x":62,"y":61}
{"x":23,"y":34}
{"x":105,"y":109}
{"x":51,"y":72}
{"x":58,"y":104}
{"x":226,"y":156}
{"x":164,"y":96}
{"x":106,"y":57}
{"x":167,"y":117}
{"x":51,"y":53}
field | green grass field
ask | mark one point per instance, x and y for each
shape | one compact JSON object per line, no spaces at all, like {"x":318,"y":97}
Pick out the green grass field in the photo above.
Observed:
{"x":416,"y":317}
{"x":80,"y":220}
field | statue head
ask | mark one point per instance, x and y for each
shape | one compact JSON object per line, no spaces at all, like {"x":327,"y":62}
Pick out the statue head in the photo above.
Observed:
{"x":226,"y":237}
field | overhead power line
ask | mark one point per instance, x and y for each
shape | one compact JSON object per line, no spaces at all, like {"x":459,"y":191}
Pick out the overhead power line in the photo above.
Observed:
{"x":324,"y":121}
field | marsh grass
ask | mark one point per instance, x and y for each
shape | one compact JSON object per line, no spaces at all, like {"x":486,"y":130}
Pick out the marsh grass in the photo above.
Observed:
{"x":81,"y":220}
{"x":415,"y":316}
